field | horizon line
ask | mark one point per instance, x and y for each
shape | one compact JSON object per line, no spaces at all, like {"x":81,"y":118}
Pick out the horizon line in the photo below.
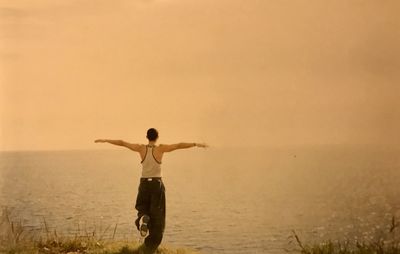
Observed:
{"x":379,"y":145}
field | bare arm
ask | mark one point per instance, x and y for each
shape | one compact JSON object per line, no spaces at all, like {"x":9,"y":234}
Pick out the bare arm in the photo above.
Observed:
{"x":134,"y":147}
{"x":173,"y":147}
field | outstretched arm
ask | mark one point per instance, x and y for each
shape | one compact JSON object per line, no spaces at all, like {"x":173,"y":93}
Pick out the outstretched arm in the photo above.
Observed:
{"x":173,"y":147}
{"x":134,"y":147}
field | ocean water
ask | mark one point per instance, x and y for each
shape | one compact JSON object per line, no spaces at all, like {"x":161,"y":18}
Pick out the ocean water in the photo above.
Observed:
{"x":219,"y":200}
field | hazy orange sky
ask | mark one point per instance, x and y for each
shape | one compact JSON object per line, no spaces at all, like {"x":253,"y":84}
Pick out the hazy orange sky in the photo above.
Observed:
{"x":226,"y":72}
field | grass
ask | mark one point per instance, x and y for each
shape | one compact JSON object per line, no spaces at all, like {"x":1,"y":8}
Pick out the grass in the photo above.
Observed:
{"x":385,"y":243}
{"x":16,"y":238}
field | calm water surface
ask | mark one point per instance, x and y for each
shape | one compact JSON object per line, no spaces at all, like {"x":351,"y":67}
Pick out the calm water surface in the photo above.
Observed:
{"x":218,"y":200}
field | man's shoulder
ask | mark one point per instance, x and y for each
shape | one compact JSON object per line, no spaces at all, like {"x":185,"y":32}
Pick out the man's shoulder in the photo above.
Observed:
{"x":162,"y":147}
{"x":134,"y":146}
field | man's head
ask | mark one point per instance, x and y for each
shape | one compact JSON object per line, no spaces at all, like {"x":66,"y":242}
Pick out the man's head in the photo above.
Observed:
{"x":152,"y":134}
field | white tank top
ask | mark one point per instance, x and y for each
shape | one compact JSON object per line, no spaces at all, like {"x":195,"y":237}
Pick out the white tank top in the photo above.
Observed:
{"x":150,"y":166}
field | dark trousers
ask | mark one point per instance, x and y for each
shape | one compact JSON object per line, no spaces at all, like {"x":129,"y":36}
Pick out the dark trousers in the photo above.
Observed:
{"x":151,"y":201}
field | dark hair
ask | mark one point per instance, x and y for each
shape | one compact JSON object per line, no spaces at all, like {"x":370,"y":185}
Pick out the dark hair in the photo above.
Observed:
{"x":152,"y":134}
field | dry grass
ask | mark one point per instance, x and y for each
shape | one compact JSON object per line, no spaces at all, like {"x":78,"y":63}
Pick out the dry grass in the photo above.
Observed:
{"x":388,"y":243}
{"x":16,"y":238}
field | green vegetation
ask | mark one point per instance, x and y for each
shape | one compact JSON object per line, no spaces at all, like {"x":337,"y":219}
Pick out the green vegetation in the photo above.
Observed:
{"x":386,"y":243}
{"x":16,"y":238}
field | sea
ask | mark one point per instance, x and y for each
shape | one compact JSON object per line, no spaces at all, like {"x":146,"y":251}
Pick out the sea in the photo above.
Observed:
{"x":219,"y":200}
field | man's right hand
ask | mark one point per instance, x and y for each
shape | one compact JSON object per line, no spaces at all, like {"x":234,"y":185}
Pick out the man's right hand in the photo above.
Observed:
{"x":204,"y":145}
{"x":100,"y":141}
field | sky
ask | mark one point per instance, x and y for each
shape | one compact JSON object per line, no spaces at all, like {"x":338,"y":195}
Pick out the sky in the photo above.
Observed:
{"x":227,"y":72}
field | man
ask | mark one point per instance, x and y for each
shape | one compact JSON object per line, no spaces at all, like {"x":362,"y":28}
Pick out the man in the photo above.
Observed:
{"x":150,"y":201}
